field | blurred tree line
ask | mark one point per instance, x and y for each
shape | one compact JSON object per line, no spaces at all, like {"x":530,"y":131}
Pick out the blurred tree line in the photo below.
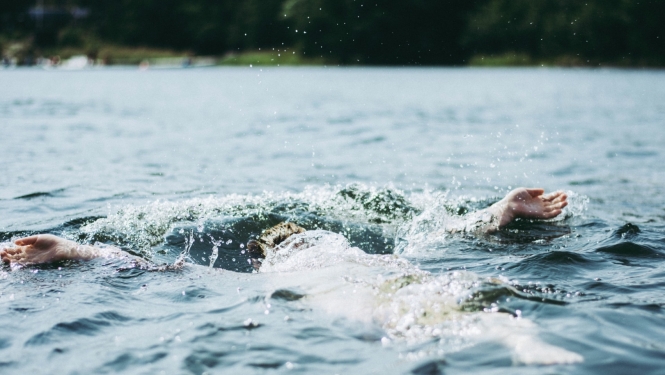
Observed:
{"x":378,"y":32}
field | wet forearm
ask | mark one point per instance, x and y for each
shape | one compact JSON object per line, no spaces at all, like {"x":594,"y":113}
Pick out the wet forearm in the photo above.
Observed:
{"x":89,"y":252}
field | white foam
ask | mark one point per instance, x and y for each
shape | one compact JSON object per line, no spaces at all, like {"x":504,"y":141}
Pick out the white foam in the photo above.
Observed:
{"x":144,"y":226}
{"x":411,"y":305}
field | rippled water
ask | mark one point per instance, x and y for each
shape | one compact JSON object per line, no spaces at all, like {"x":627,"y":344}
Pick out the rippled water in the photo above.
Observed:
{"x":181,"y":162}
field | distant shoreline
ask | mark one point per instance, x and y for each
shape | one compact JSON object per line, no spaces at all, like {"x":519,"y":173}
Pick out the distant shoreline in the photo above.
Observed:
{"x":143,"y":57}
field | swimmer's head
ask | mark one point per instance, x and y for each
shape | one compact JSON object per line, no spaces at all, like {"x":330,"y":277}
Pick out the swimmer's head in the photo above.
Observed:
{"x":271,"y":238}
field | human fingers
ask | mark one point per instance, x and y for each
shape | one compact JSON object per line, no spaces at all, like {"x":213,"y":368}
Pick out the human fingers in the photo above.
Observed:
{"x":560,"y":198}
{"x":27,"y":240}
{"x":563,"y":204}
{"x":552,"y":214}
{"x":11,"y":258}
{"x":12,"y":250}
{"x":555,"y":205}
{"x":553,"y":196}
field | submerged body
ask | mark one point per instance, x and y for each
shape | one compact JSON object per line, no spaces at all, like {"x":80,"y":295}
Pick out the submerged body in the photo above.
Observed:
{"x":409,"y":304}
{"x":519,"y":203}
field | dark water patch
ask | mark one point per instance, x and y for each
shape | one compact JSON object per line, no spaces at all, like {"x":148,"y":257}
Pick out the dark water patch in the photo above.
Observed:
{"x":647,"y":307}
{"x":345,"y":120}
{"x":631,"y":250}
{"x":553,"y":264}
{"x":202,"y":360}
{"x":286,"y":295}
{"x":319,"y":335}
{"x":311,"y":359}
{"x":369,"y":336}
{"x":8,"y":364}
{"x":267,"y":364}
{"x":166,"y":318}
{"x":528,"y":232}
{"x":130,"y":273}
{"x":57,"y":352}
{"x":24,"y":310}
{"x":213,"y":328}
{"x":487,"y":297}
{"x":64,"y":331}
{"x":41,"y":194}
{"x":127,"y":360}
{"x":632,"y":154}
{"x":189,"y":294}
{"x":627,"y":231}
{"x":587,"y":182}
{"x":616,"y":365}
{"x":121,"y":282}
{"x":228,"y":235}
{"x":8,"y":236}
{"x":435,"y":367}
{"x":112,"y":316}
{"x":559,"y":257}
{"x":223,"y":310}
{"x":609,"y":288}
{"x":5,"y":342}
{"x":57,"y":266}
{"x":345,"y":328}
{"x":369,"y":141}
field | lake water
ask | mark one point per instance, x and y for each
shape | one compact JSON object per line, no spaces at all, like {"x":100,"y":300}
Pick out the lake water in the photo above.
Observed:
{"x":178,"y":162}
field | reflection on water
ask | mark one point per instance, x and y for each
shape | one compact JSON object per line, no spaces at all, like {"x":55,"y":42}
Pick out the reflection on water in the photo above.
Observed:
{"x":372,"y":162}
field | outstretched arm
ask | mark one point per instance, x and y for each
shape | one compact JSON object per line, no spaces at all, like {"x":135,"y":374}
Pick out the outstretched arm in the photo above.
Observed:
{"x":526,"y":203}
{"x":45,"y":248}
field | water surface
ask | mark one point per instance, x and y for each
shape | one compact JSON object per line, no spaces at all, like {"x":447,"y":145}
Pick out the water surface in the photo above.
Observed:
{"x":162,"y":162}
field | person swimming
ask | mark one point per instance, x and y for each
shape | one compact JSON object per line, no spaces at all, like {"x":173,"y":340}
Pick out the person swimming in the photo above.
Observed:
{"x":411,"y":305}
{"x":526,"y":203}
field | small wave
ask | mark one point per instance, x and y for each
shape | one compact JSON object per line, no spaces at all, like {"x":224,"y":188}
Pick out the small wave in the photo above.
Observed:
{"x":546,"y":265}
{"x":144,"y":226}
{"x":83,"y":326}
{"x":628,"y":230}
{"x":630,"y":249}
{"x":41,"y":194}
{"x":127,"y":360}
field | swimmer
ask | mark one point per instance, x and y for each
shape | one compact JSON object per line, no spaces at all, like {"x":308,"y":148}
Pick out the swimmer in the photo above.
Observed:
{"x":410,"y":305}
{"x":519,"y":203}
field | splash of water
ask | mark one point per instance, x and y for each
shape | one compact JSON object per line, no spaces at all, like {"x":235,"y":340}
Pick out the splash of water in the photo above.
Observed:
{"x":411,"y":305}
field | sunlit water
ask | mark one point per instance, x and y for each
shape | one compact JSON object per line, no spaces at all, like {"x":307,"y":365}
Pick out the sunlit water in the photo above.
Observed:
{"x":194,"y":163}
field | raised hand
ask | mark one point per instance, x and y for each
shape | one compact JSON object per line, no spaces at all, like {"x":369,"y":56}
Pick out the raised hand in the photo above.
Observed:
{"x":530,"y":204}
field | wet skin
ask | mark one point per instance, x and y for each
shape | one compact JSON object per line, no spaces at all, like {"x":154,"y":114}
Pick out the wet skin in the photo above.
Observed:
{"x":526,"y":203}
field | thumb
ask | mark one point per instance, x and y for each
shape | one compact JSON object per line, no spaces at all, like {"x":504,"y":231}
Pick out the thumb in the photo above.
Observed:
{"x":27,"y":240}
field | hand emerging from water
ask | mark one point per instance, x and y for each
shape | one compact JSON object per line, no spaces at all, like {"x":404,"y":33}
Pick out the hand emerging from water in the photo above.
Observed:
{"x":41,"y":248}
{"x":529,"y":204}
